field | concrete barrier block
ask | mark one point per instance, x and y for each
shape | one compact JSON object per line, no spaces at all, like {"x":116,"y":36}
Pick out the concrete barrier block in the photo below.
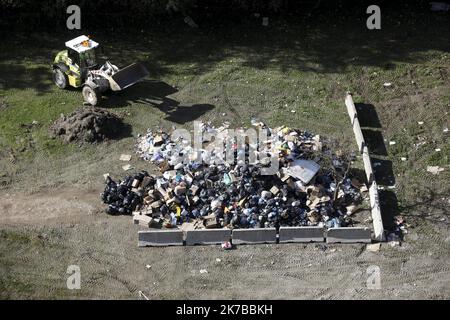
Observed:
{"x":358,"y":135}
{"x":334,"y":236}
{"x":348,"y":235}
{"x":301,"y":234}
{"x":155,"y":238}
{"x":262,"y":235}
{"x":351,"y":109}
{"x":378,"y":229}
{"x":207,"y":236}
{"x":367,"y":165}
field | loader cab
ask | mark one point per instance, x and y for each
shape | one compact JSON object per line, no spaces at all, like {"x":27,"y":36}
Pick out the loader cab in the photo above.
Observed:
{"x":84,"y":60}
{"x":88,"y":59}
{"x":82,"y":52}
{"x":73,"y":56}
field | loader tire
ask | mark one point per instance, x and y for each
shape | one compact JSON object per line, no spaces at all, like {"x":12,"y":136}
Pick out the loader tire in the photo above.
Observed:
{"x":91,"y":95}
{"x":60,"y":78}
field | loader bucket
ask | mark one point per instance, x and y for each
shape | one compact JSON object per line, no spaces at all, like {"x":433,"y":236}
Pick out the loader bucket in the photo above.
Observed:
{"x":128,"y":76}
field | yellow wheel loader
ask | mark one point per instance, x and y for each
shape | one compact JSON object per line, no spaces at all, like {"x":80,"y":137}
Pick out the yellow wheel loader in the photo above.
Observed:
{"x":77,"y":66}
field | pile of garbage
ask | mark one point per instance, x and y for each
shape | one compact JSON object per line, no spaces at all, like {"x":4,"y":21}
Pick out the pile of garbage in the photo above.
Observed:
{"x":88,"y":124}
{"x":195,"y":186}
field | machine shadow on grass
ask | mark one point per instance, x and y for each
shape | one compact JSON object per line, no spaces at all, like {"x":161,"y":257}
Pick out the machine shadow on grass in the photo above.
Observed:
{"x":382,"y":167}
{"x":125,"y":130}
{"x":154,"y":93}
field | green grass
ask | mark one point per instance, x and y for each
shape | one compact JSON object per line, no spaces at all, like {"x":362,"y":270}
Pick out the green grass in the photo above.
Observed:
{"x":21,"y":264}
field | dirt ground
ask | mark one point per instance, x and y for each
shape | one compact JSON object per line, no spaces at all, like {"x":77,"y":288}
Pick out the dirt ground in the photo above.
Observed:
{"x":45,"y":232}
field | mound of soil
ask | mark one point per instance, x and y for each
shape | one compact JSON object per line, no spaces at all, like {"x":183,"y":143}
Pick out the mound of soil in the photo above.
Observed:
{"x":89,"y":124}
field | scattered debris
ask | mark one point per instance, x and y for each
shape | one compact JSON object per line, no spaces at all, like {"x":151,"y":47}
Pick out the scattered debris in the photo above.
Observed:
{"x":226,"y":245}
{"x":400,"y":226}
{"x":127,"y":167}
{"x":397,"y":234}
{"x":394,"y":243}
{"x":43,"y":236}
{"x":125,"y":157}
{"x":439,"y":6}
{"x":368,"y":220}
{"x":374,"y":247}
{"x":141,"y":294}
{"x":88,"y":125}
{"x":434,"y":169}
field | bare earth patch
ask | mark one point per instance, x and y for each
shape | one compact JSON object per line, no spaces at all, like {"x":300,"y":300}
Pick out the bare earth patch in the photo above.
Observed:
{"x":47,"y":231}
{"x":48,"y":207}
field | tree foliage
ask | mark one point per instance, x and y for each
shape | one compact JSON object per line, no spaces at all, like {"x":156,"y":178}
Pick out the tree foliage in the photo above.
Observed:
{"x":117,"y":14}
{"x":137,"y":13}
